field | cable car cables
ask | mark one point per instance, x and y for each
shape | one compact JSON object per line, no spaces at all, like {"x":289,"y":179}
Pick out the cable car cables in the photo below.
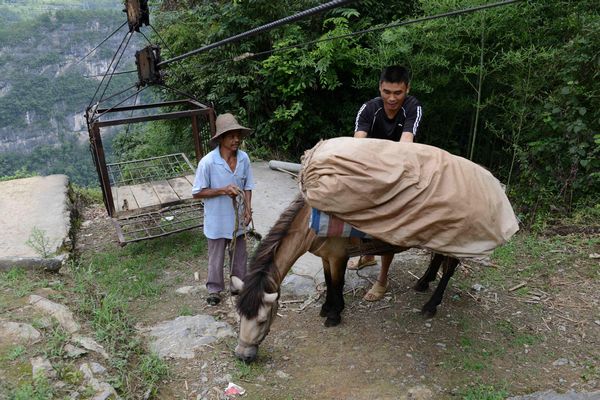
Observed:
{"x":263,"y":28}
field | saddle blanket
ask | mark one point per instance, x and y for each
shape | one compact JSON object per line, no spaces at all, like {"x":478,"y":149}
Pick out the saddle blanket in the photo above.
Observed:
{"x":326,"y":225}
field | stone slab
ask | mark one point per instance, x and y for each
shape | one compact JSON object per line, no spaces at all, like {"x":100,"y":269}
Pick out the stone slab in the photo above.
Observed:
{"x":552,"y":395}
{"x":39,"y":203}
{"x":184,"y":336}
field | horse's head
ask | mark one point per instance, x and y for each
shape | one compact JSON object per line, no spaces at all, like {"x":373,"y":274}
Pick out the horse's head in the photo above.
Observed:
{"x":257,"y":312}
{"x":257,"y":303}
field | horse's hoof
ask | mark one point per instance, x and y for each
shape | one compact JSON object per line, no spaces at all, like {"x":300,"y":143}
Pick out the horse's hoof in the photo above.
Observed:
{"x":421,"y":287}
{"x":324,"y":311}
{"x":428,"y":312}
{"x":329,"y":322}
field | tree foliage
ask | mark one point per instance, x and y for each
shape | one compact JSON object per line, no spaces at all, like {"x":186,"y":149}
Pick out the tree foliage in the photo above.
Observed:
{"x":517,"y":87}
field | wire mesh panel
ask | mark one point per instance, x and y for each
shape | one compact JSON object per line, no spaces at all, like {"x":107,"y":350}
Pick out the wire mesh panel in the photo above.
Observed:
{"x":159,"y":223}
{"x":149,"y":169}
{"x":141,"y":186}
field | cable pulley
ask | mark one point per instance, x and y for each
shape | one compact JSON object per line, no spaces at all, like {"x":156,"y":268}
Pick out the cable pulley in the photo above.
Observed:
{"x":138,"y":14}
{"x":147,"y":61}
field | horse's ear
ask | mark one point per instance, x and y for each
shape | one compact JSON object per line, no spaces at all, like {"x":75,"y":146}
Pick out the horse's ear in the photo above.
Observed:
{"x":237,"y":283}
{"x":269,"y":298}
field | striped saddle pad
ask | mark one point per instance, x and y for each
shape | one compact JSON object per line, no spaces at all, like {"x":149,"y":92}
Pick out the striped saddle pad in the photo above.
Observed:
{"x":326,"y":225}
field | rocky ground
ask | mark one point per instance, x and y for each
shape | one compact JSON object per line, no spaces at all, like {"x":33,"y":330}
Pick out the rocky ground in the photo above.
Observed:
{"x":527,"y":322}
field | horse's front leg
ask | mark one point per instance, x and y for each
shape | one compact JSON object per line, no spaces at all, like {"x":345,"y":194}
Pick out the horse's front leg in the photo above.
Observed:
{"x":449,"y":266}
{"x":328,"y":303}
{"x":334,"y":303}
{"x":429,"y":276}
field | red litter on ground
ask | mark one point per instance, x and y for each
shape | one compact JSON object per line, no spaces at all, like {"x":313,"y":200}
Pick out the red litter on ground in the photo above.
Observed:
{"x":233,"y":389}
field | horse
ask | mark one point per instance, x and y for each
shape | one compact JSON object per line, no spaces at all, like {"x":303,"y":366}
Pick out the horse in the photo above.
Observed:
{"x":286,"y":241}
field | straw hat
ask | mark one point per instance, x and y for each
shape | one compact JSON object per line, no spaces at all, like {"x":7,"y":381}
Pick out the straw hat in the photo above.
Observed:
{"x":227,"y":123}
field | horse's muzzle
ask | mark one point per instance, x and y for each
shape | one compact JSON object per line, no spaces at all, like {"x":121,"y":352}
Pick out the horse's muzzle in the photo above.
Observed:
{"x":246,"y":353}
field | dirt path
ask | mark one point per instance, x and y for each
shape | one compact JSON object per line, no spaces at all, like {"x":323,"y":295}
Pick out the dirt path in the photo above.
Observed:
{"x":530,"y":322}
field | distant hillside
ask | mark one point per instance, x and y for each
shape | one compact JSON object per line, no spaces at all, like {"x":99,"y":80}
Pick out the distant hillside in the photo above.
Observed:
{"x":18,"y":10}
{"x":43,"y":88}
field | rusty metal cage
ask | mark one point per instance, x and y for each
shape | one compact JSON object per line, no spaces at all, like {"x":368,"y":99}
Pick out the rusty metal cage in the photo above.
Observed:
{"x":151,"y":197}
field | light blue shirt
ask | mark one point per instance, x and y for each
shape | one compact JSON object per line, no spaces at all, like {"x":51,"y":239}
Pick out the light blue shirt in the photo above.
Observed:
{"x":213,"y":172}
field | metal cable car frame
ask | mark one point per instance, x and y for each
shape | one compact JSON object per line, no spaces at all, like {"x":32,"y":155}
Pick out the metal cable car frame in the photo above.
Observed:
{"x":170,"y":213}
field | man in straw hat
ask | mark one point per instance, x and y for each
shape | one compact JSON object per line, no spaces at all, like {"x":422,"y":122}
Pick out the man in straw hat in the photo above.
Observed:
{"x":224,"y":180}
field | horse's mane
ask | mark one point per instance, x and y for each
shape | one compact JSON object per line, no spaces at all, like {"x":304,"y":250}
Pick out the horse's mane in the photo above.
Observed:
{"x":262,"y":275}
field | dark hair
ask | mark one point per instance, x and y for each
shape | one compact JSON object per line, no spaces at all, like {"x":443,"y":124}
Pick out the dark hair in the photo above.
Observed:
{"x":395,"y":74}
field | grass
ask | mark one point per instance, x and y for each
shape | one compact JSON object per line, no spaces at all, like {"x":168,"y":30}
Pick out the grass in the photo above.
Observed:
{"x":484,"y":392}
{"x":19,"y":282}
{"x":474,"y":355}
{"x":100,"y":288}
{"x":526,"y":339}
{"x":69,"y":374}
{"x":536,"y":260}
{"x":247,"y":372}
{"x":530,"y":257}
{"x":14,"y":353}
{"x":185,"y":310}
{"x":86,"y":195}
{"x":39,"y":389}
{"x":106,"y":283}
{"x":55,"y":342}
{"x":591,"y":369}
{"x":40,"y":242}
{"x":585,"y":216}
{"x":152,"y":370}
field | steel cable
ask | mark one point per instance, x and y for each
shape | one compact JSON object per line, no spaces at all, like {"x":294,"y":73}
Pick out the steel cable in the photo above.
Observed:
{"x":362,"y":32}
{"x":115,"y":67}
{"x":121,"y":102}
{"x":161,"y":39}
{"x":263,"y":28}
{"x":107,"y":70}
{"x":102,"y":42}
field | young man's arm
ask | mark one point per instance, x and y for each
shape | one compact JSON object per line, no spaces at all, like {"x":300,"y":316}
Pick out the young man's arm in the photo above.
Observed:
{"x":362,"y":124}
{"x":414,"y":113}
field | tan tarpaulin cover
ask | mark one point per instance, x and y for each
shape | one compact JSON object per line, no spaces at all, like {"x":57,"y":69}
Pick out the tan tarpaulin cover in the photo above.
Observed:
{"x":409,"y":194}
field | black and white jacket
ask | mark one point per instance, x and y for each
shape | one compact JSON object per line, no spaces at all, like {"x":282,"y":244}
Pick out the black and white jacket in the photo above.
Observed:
{"x":371,"y":118}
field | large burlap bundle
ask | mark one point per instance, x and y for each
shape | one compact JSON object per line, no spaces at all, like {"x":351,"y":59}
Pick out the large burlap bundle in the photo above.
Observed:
{"x":409,"y":194}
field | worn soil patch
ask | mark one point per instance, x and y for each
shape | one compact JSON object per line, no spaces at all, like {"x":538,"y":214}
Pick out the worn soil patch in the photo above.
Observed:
{"x":527,"y":321}
{"x":500,"y":330}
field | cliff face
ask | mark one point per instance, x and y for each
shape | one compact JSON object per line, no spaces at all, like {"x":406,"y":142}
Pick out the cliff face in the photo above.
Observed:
{"x":45,"y":88}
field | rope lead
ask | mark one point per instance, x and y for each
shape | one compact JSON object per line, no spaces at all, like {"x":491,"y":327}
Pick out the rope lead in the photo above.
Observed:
{"x":239,"y":204}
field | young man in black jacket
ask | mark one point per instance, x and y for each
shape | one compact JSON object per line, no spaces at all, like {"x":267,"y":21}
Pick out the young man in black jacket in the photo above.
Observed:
{"x":394,"y":115}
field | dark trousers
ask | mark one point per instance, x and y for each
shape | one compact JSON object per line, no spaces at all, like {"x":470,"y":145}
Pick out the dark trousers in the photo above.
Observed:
{"x":216,"y":259}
